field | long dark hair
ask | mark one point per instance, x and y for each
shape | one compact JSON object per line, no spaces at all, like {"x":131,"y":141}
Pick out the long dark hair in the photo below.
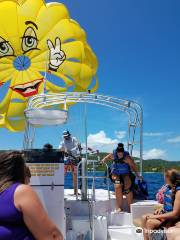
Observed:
{"x":12,"y":168}
{"x":174,"y":178}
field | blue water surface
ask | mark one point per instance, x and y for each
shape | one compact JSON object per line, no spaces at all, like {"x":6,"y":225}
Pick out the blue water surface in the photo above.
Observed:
{"x":154,"y":181}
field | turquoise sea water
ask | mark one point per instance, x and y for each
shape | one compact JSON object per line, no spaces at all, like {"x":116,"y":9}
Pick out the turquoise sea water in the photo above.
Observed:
{"x":154,"y":181}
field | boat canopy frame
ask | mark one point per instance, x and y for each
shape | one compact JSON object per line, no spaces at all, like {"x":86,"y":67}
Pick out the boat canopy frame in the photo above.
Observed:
{"x":39,"y":106}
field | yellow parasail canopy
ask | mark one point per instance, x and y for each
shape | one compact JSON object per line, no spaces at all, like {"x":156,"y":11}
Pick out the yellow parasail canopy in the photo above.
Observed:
{"x":38,"y":40}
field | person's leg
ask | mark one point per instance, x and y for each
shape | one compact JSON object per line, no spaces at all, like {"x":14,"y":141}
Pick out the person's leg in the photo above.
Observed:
{"x":173,"y":233}
{"x":119,"y":196}
{"x":75,"y":182}
{"x":74,"y":173}
{"x":151,"y":225}
{"x":177,"y":237}
{"x":129,"y":197}
{"x":127,"y":190}
{"x":80,"y":174}
{"x":148,"y":225}
{"x":170,"y":233}
{"x":144,"y":221}
{"x":65,"y":169}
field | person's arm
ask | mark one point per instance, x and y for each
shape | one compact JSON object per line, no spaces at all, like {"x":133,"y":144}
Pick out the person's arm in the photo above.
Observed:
{"x":172,"y":214}
{"x":34,"y":215}
{"x":132,"y":165}
{"x":61,"y":146}
{"x":178,"y":224}
{"x":108,"y":157}
{"x":75,"y":144}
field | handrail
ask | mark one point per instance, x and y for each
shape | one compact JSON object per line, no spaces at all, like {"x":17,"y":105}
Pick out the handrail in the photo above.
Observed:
{"x":93,"y":194}
{"x":93,"y":178}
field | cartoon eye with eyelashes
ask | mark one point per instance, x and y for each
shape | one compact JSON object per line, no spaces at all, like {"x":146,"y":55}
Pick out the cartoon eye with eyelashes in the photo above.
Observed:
{"x":29,"y":40}
{"x":5,"y":48}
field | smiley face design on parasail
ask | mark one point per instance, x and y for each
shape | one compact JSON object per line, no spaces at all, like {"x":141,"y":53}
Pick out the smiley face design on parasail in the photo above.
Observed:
{"x":38,"y":41}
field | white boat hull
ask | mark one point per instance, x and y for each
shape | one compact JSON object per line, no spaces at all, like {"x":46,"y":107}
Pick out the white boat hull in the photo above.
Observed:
{"x":109,"y":225}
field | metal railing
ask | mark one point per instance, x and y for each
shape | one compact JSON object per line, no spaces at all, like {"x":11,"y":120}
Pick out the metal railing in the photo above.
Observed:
{"x":92,"y":199}
{"x":131,"y":108}
{"x":93,"y":177}
{"x":49,"y":101}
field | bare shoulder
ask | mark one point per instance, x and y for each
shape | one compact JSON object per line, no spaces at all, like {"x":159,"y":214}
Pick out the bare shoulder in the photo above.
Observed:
{"x":178,"y":194}
{"x":23,"y":189}
{"x":24,"y":195}
{"x":128,"y":159}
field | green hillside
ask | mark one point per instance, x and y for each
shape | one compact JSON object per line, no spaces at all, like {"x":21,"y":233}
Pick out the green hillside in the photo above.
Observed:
{"x":159,"y":165}
{"x":150,"y":165}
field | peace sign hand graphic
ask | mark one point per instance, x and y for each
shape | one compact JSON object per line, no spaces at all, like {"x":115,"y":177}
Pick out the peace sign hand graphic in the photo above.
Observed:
{"x":56,"y":56}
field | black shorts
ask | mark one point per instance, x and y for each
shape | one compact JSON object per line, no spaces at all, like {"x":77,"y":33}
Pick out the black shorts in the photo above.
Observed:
{"x":120,"y":181}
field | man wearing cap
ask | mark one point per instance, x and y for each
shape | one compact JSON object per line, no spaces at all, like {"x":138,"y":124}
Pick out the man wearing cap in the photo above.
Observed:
{"x":71,"y":147}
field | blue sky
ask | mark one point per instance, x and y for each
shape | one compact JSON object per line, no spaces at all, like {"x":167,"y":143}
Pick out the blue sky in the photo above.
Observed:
{"x":138,"y":48}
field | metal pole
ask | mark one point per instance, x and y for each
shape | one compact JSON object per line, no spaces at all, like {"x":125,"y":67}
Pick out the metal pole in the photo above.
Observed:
{"x":129,"y":132}
{"x":141,"y":141}
{"x":84,"y":161}
{"x":25,"y":137}
{"x":93,"y":213}
{"x":27,"y":140}
{"x":45,"y":75}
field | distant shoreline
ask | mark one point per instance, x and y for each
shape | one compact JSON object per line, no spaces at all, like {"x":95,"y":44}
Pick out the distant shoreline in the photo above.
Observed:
{"x":149,"y":166}
{"x":143,"y":171}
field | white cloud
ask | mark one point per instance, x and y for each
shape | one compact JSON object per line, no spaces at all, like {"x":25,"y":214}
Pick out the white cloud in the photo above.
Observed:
{"x":154,"y":153}
{"x":136,"y":153}
{"x":153,"y":134}
{"x":101,"y":141}
{"x":174,"y":140}
{"x":120,"y":134}
{"x":104,"y":143}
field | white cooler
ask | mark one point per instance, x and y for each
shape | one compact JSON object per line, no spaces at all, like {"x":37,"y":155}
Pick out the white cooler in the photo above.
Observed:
{"x":141,"y":208}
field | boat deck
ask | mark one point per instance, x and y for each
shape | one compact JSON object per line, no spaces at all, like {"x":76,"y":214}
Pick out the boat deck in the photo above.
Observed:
{"x":109,"y":225}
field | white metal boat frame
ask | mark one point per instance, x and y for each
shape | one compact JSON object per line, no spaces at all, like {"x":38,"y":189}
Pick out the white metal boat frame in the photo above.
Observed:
{"x":46,"y":102}
{"x":42,"y":110}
